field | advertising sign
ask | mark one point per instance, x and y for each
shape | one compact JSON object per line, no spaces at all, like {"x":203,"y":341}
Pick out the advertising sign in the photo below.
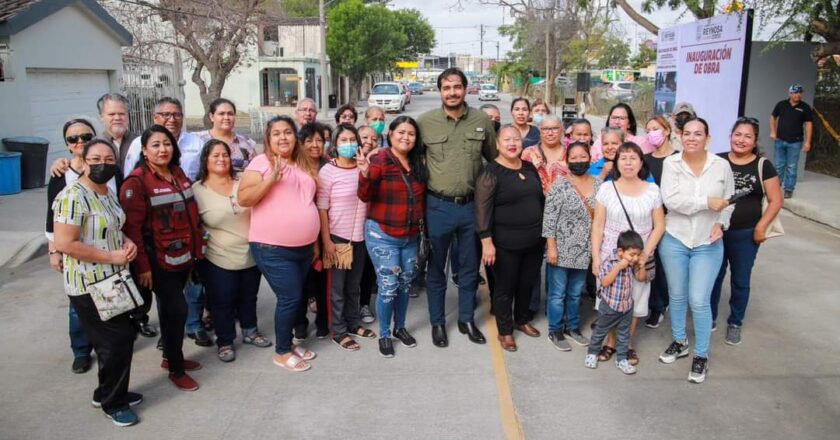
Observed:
{"x":703,"y":63}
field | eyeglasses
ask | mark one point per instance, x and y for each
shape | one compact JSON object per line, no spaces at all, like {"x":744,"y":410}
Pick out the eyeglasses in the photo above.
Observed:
{"x":748,"y":119}
{"x":551,"y":128}
{"x":171,"y":115}
{"x":99,"y":160}
{"x":84,"y":137}
{"x":618,"y":118}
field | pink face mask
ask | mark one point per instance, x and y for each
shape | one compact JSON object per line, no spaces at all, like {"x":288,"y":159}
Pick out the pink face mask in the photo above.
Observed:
{"x":656,"y":137}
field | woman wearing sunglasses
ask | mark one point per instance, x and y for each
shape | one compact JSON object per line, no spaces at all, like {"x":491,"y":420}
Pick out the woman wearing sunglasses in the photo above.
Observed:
{"x":76,"y":133}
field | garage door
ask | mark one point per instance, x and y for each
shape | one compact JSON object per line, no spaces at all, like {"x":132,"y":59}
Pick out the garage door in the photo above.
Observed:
{"x":56,"y":95}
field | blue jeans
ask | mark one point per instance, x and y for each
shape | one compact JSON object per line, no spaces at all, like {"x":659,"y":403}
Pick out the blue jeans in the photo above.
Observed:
{"x":79,"y":341}
{"x":395,"y":262}
{"x":787,"y":161}
{"x":739,"y":250}
{"x":691,"y":274}
{"x":565,"y":287}
{"x":446,"y":220}
{"x":231,"y":297}
{"x":194,"y":294}
{"x":285,"y":269}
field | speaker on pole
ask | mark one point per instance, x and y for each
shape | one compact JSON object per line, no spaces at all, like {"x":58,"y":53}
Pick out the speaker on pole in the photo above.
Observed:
{"x":583,"y":80}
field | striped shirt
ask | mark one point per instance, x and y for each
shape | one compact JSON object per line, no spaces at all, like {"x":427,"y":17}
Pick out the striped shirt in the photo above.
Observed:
{"x":619,"y":294}
{"x":100,"y":219}
{"x":338,"y":195}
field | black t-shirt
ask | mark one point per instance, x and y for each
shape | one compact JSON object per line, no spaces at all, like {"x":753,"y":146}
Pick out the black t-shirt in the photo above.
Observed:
{"x":509,"y":206}
{"x":654,"y":165}
{"x":748,"y":208}
{"x":789,"y":125}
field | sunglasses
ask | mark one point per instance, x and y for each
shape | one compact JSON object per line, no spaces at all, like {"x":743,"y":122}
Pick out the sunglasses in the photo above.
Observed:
{"x":748,"y":119}
{"x":75,"y":139}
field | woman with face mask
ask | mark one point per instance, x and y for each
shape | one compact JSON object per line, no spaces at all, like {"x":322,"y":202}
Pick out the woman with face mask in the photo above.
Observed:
{"x":539,"y":110}
{"x":375,"y":119}
{"x":520,"y":112}
{"x":76,"y":133}
{"x":343,"y":217}
{"x":88,"y":223}
{"x":567,"y":223}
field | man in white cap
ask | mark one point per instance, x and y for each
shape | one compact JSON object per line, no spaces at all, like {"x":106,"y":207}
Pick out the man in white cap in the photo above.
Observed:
{"x":683,"y":111}
{"x":791,"y":126}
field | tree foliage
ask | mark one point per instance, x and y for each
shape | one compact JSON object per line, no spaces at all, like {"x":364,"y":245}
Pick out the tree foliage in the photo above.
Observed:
{"x":645,"y":57}
{"x":615,"y":52}
{"x":420,"y":35}
{"x":362,"y":39}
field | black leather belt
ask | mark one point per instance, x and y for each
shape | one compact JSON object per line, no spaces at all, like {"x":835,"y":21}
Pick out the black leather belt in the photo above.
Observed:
{"x":459,"y":200}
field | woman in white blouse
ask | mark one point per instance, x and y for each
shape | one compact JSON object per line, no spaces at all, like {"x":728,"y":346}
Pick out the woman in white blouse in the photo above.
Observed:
{"x":696,"y":186}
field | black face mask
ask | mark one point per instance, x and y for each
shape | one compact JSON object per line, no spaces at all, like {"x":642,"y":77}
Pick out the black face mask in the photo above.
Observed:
{"x":103,"y":172}
{"x":497,"y":125}
{"x":578,"y":168}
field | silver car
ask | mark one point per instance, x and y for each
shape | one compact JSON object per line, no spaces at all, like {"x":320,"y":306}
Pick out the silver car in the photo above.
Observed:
{"x":488,"y":92}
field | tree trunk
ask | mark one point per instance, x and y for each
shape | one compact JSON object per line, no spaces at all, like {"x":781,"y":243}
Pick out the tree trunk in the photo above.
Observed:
{"x":638,"y":18}
{"x":355,"y":88}
{"x":209,"y":93}
{"x":826,"y":49}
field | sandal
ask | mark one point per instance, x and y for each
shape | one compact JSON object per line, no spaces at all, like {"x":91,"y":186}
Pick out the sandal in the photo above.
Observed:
{"x":364,"y":332}
{"x":303,"y":353}
{"x":346,"y":342}
{"x":226,"y":353}
{"x":293,"y":363}
{"x":632,"y":357}
{"x":257,"y":340}
{"x":606,"y":353}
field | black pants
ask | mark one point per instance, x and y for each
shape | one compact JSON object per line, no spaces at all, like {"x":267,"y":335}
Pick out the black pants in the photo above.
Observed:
{"x":113,"y":341}
{"x":368,"y":284}
{"x":315,"y":286}
{"x":172,"y":312}
{"x":515,"y":271}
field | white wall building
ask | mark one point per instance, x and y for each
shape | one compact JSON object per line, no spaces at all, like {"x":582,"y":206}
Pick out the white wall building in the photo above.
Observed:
{"x":58,"y":57}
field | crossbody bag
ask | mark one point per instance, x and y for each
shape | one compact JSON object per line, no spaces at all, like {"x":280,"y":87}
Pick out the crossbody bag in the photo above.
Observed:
{"x":650,"y":264}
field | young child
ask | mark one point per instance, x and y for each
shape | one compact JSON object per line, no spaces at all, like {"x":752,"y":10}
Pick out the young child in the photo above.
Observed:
{"x":616,"y":294}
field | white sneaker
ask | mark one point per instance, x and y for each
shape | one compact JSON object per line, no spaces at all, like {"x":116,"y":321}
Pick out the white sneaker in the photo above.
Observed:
{"x":591,"y":361}
{"x":625,"y":367}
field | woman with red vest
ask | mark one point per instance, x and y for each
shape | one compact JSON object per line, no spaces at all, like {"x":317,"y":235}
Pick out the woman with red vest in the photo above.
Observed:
{"x":162,"y":213}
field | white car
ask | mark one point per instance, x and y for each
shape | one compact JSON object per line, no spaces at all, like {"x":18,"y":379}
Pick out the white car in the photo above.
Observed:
{"x":488,"y":92}
{"x":388,"y":95}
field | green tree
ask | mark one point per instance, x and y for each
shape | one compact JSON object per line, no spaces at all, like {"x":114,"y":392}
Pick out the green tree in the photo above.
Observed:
{"x":362,"y":39}
{"x":309,"y":8}
{"x":615,"y":52}
{"x":420,"y":35}
{"x":645,"y":57}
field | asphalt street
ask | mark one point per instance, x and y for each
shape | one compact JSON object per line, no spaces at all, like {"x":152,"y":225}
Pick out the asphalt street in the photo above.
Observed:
{"x":782,"y":382}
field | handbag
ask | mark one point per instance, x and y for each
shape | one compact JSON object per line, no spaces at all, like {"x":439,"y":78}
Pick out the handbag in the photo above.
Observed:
{"x":650,"y":264}
{"x":774,"y":229}
{"x":343,"y":251}
{"x":115,"y":295}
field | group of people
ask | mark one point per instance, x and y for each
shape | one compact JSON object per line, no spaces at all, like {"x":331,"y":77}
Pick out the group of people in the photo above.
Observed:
{"x":199,"y":219}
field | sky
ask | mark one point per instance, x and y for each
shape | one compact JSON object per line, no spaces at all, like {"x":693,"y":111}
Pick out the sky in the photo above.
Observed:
{"x":457,"y":30}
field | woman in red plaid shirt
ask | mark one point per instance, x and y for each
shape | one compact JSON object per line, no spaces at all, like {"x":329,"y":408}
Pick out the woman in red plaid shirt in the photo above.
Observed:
{"x":393,"y":183}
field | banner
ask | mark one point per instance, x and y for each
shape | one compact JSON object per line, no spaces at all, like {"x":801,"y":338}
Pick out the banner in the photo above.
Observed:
{"x":703,"y":63}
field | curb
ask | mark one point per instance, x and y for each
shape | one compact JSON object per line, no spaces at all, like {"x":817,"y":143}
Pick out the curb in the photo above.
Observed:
{"x":31,"y":250}
{"x":812,"y":212}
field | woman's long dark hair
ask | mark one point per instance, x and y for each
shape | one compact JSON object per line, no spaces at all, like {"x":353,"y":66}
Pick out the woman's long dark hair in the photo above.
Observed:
{"x":417,"y":155}
{"x":144,"y":139}
{"x":630,"y":147}
{"x":205,"y":154}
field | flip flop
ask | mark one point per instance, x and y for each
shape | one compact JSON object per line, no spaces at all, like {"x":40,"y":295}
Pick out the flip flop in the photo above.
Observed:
{"x":293,"y":363}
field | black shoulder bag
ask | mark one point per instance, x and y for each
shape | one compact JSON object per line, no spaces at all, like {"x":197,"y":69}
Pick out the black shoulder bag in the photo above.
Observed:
{"x":425,"y":246}
{"x":650,"y":264}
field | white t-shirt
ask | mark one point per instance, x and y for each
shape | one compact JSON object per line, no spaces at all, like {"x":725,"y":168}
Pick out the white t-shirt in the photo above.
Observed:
{"x":188,"y":144}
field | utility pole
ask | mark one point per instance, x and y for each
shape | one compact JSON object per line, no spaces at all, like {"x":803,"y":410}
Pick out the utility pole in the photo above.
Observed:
{"x":497,"y":51}
{"x":324,"y":97}
{"x":481,"y":59}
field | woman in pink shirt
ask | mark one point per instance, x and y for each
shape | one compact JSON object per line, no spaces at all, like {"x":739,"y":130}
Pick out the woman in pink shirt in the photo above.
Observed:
{"x":279,"y":187}
{"x":621,"y":116}
{"x":342,"y":222}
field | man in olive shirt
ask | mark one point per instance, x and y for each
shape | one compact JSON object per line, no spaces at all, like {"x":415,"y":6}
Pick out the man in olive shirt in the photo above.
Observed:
{"x":456,"y":138}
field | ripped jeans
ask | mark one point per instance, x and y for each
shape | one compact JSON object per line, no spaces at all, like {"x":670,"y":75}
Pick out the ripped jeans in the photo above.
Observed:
{"x":395,"y":263}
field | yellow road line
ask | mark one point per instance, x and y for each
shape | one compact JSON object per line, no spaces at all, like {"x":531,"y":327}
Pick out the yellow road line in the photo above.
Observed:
{"x":510,"y":419}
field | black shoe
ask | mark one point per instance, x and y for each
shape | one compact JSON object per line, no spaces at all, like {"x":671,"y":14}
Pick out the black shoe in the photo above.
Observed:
{"x":147,"y":330}
{"x":439,"y":337}
{"x":201,"y":338}
{"x":654,"y":319}
{"x":405,"y":337}
{"x":300,"y":334}
{"x":414,"y":291}
{"x":386,"y":347}
{"x":159,"y":344}
{"x":788,"y":194}
{"x":322,"y":333}
{"x":81,"y":364}
{"x":472,"y":332}
{"x":481,"y":280}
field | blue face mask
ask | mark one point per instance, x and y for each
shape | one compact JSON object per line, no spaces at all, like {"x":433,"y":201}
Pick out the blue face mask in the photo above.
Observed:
{"x":537,"y":118}
{"x":348,"y":151}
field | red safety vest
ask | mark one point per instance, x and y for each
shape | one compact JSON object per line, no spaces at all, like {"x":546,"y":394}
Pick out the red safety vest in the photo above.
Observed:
{"x":171,"y":219}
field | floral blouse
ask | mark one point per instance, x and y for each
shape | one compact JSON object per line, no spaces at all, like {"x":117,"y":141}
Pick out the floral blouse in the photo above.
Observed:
{"x":549,"y":172}
{"x":569,"y":223}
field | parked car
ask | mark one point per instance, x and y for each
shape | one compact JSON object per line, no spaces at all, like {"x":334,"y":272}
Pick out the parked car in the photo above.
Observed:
{"x":472,"y":89}
{"x":406,"y":92}
{"x":388,"y":95}
{"x":429,"y":86}
{"x":416,"y":88}
{"x":621,"y":90}
{"x":488,"y":92}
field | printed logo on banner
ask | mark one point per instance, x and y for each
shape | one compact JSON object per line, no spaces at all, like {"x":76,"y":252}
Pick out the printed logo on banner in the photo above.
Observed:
{"x":709,"y":31}
{"x":667,"y":36}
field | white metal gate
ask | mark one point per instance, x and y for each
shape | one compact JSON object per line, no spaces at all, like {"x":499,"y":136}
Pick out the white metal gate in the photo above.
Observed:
{"x":144,"y":82}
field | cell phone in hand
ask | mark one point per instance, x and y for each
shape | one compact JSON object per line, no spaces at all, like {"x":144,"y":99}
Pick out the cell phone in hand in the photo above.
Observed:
{"x":739,"y":194}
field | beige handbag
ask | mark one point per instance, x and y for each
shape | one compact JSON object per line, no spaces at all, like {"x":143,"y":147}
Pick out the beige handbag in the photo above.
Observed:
{"x":343,"y":251}
{"x":774,"y":229}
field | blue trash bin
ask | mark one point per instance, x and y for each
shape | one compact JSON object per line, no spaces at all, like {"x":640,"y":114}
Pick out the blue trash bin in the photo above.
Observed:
{"x":9,"y":173}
